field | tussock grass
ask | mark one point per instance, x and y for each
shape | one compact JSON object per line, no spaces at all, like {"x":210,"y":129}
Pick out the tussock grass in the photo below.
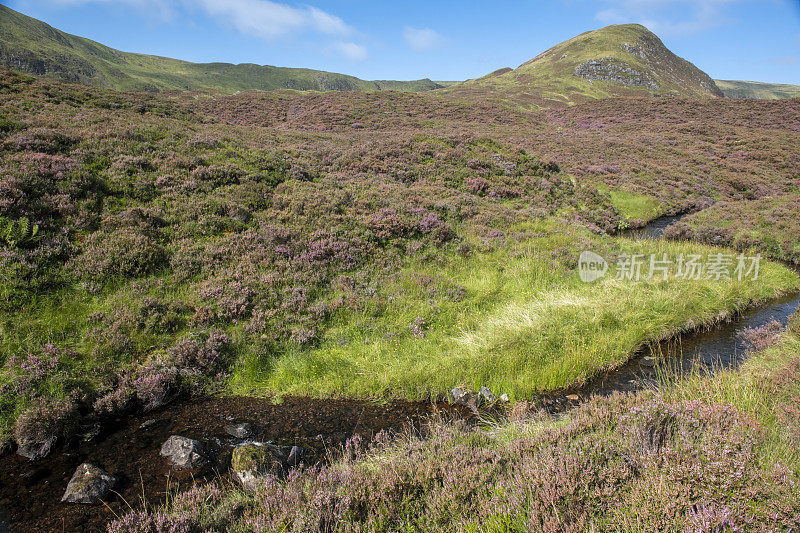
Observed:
{"x":525,"y":325}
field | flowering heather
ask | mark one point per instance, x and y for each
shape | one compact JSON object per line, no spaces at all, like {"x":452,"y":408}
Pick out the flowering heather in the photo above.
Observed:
{"x":767,"y":224}
{"x":594,"y":472}
{"x":165,"y":224}
{"x":762,"y":337}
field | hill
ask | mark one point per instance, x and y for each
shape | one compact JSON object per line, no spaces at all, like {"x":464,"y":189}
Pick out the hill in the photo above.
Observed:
{"x":757,"y":89}
{"x":31,"y":46}
{"x":619,"y":60}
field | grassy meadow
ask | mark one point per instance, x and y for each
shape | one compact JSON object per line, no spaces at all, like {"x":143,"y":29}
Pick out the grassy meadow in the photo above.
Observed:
{"x":387,"y":246}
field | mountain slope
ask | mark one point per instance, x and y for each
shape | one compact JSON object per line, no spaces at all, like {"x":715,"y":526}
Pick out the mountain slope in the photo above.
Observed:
{"x":757,"y":89}
{"x":619,"y":60}
{"x":32,"y":46}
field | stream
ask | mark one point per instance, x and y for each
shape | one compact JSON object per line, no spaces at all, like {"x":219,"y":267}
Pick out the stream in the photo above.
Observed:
{"x":129,"y":447}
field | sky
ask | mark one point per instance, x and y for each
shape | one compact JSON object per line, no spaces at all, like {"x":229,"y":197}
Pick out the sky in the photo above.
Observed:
{"x":436,"y":39}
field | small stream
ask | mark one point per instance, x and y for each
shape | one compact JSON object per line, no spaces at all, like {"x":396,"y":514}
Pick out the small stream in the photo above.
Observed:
{"x":129,"y":447}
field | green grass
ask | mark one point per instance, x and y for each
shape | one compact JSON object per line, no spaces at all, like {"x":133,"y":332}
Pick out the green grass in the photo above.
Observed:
{"x":525,"y":325}
{"x":635,"y":206}
{"x":756,"y":89}
{"x":765,"y":387}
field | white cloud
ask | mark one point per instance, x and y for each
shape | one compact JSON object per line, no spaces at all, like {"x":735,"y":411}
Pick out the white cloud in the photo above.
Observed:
{"x":667,"y":17}
{"x":270,"y":20}
{"x":352,"y":51}
{"x":422,"y":40}
{"x":262,"y":18}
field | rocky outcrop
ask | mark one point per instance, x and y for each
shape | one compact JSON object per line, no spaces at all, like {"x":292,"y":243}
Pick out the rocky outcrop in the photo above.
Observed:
{"x":89,"y":484}
{"x":609,"y":70}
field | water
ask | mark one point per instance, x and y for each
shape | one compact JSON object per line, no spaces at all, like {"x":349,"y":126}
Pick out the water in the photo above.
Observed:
{"x":703,"y":351}
{"x":30,"y":492}
{"x":655,"y":229}
{"x":716,"y":347}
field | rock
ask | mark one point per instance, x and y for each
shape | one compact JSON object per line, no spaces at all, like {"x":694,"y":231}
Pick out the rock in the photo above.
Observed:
{"x":296,"y":455}
{"x":648,"y":362}
{"x":242,"y":430}
{"x":147,"y":423}
{"x":89,"y":484}
{"x":487,"y":394}
{"x":37,"y":447}
{"x":253,"y":463}
{"x":504,"y":398}
{"x":465,"y":398}
{"x":183,"y":452}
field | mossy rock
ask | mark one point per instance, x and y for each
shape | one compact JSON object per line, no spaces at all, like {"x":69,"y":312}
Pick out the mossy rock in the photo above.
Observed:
{"x":251,"y":464}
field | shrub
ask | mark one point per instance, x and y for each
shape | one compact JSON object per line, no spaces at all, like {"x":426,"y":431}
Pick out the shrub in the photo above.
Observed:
{"x":44,"y":140}
{"x":39,"y":427}
{"x":121,"y":253}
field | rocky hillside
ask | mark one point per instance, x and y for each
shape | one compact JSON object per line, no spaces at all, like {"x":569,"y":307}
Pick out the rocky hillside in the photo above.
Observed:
{"x":31,"y":46}
{"x":620,"y":60}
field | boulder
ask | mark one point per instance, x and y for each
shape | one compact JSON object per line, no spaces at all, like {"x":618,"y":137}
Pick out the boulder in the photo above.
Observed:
{"x":251,"y":464}
{"x":242,"y":430}
{"x":183,"y":452}
{"x":465,"y":398}
{"x":296,"y":456}
{"x":36,"y":447}
{"x":89,"y":484}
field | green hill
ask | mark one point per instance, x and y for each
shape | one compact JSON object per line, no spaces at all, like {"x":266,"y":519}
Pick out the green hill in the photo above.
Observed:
{"x":620,"y":60}
{"x":29,"y":45}
{"x":757,"y":89}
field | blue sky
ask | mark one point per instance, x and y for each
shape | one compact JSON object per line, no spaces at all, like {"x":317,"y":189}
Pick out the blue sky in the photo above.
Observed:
{"x":437,"y":39}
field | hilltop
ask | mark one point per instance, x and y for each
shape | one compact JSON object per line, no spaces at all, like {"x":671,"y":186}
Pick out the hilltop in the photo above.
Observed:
{"x":619,"y":60}
{"x":32,"y":46}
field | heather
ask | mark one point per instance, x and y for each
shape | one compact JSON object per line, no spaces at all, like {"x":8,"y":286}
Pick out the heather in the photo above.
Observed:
{"x":380,"y":245}
{"x":697,"y":454}
{"x":766,"y":224}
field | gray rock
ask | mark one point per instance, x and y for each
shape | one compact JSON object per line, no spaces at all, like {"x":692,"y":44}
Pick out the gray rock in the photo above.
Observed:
{"x":462,"y":396}
{"x":487,"y":394}
{"x":89,"y":484}
{"x":296,"y":456}
{"x":251,"y":464}
{"x":242,"y":430}
{"x":37,"y":447}
{"x":183,"y":452}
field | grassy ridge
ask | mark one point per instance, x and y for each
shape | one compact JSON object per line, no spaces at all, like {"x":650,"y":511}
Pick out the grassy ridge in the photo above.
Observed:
{"x":757,"y":89}
{"x":30,"y":45}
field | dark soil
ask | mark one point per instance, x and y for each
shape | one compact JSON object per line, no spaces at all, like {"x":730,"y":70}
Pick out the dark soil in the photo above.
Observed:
{"x":30,"y":491}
